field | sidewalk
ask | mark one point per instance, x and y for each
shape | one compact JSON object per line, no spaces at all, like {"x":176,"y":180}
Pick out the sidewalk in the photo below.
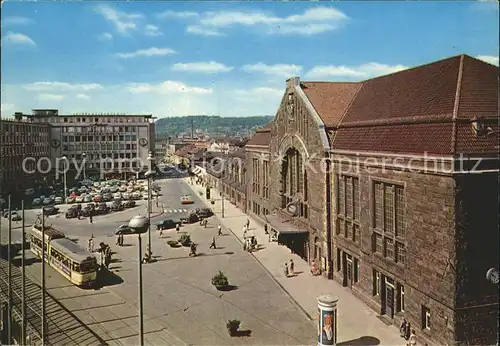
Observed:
{"x":355,"y":319}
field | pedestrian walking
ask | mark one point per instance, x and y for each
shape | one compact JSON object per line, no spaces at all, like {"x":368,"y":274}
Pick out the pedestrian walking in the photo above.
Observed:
{"x":178,"y":228}
{"x":91,"y":244}
{"x":91,"y":218}
{"x":118,"y":239}
{"x":205,"y":223}
{"x":121,"y":239}
{"x":292,"y":267}
{"x":219,"y":230}
{"x":413,"y":338}
{"x":265,"y":229}
{"x":402,"y":329}
{"x":212,"y":245}
{"x":161,"y":232}
{"x":286,"y":269}
{"x":244,"y":232}
{"x":248,"y":223}
{"x":101,"y":258}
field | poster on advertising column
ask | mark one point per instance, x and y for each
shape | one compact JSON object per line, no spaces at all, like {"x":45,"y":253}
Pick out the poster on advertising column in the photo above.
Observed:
{"x":319,"y":326}
{"x":327,"y":332}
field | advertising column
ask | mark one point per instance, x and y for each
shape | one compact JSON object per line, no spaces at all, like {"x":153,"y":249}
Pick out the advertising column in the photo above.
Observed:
{"x":327,"y":320}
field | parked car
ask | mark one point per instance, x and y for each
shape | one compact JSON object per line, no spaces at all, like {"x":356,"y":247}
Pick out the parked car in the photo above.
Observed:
{"x":124,"y":229}
{"x":129,"y":204}
{"x":72,"y":213}
{"x":191,"y":218}
{"x":47,"y":201}
{"x":136,"y":195}
{"x":87,"y":198}
{"x":79,"y":199}
{"x":117,"y":205}
{"x":96,"y":198}
{"x":106,"y":197}
{"x":165,"y":224}
{"x":50,"y":210}
{"x":101,"y":209}
{"x":58,"y":200}
{"x":36,"y":201}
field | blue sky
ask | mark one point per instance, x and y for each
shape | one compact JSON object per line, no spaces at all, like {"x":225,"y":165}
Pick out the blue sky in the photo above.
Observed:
{"x":232,"y":59}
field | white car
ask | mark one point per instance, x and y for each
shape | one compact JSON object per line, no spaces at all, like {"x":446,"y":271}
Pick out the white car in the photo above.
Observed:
{"x":130,"y":189}
{"x":36,"y":201}
{"x":29,"y":192}
{"x":126,"y":195}
{"x":117,"y":195}
{"x":47,"y":201}
{"x":58,"y":200}
{"x":122,"y":188}
{"x":136,"y":195}
{"x":79,"y":199}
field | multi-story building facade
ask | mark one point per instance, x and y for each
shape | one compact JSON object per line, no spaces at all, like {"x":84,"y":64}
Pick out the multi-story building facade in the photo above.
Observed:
{"x":162,"y":144}
{"x":395,"y":180}
{"x":116,"y":143}
{"x":233,"y":183}
{"x":23,"y":144}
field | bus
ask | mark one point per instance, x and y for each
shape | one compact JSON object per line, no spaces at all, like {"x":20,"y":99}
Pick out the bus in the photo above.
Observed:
{"x":72,"y":261}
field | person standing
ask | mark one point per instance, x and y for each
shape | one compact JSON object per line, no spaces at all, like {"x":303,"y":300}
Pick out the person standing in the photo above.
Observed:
{"x":286,"y":270}
{"x":161,"y":232}
{"x":413,"y":338}
{"x":91,"y":244}
{"x":91,"y":218}
{"x":121,"y":239}
{"x":248,"y":223}
{"x":219,"y":230}
{"x":212,"y":245}
{"x":292,"y":267}
{"x":244,"y":232}
{"x":102,"y":258}
{"x":118,"y":239}
{"x":265,"y":229}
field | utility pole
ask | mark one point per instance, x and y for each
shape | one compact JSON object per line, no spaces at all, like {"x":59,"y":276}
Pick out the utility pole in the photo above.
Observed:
{"x":44,"y":341}
{"x":9,"y":257}
{"x":23,"y":293}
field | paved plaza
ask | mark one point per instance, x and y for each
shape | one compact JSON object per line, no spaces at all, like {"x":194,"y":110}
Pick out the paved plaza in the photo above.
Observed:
{"x":356,"y":321}
{"x":181,"y":307}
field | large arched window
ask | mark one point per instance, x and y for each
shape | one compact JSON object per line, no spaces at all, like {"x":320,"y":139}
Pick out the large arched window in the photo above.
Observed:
{"x":294,"y":181}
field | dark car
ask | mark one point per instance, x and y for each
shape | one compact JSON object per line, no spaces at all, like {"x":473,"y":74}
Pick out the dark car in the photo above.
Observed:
{"x":101,"y":209}
{"x":50,"y":210}
{"x":204,"y":213}
{"x":124,"y":229}
{"x":106,"y":197}
{"x":165,"y":224}
{"x":129,"y":204}
{"x":116,"y":206}
{"x":72,"y":213}
{"x":191,"y":218}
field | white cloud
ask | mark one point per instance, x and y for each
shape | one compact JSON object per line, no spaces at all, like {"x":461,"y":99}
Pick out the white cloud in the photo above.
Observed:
{"x":105,"y":36}
{"x":15,"y":20}
{"x":262,"y":94}
{"x":363,"y":71}
{"x":202,"y":67}
{"x":280,"y":70}
{"x":82,"y":96}
{"x":61,"y":86}
{"x":490,"y":59}
{"x":167,"y":87}
{"x":17,"y":38}
{"x":181,"y":14}
{"x":123,"y":22}
{"x":50,"y":97}
{"x":312,"y":21}
{"x":153,"y":51}
{"x":203,"y":31}
{"x":153,"y":30}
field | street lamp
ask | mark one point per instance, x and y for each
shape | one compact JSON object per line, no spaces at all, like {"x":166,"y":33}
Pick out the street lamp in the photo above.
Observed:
{"x":84,"y":164}
{"x":140,"y":225}
{"x":64,"y":178}
{"x":149,"y":175}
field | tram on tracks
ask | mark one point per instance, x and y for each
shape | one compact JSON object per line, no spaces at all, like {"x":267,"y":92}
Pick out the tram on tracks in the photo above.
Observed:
{"x":75,"y":263}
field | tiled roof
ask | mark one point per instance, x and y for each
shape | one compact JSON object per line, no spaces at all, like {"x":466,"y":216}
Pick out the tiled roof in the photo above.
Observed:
{"x":262,"y":137}
{"x":330,"y":100}
{"x":412,"y":111}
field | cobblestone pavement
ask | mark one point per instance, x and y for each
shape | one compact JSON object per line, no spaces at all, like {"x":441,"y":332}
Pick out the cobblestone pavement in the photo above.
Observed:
{"x":355,"y":319}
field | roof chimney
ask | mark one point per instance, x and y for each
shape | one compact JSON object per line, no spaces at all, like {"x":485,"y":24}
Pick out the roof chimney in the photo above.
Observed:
{"x":293,"y":82}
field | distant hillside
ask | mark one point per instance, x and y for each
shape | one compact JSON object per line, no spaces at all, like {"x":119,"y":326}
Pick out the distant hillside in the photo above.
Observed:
{"x":213,"y":125}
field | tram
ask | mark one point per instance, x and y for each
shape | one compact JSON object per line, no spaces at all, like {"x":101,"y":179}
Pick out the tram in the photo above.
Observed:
{"x":72,"y":261}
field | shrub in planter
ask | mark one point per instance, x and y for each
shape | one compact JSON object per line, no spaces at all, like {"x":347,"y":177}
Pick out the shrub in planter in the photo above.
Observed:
{"x":233,"y":326}
{"x":185,"y":240}
{"x":173,"y":243}
{"x":220,"y":280}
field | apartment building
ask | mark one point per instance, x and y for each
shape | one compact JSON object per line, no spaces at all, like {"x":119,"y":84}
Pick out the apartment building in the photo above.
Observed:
{"x":21,"y":139}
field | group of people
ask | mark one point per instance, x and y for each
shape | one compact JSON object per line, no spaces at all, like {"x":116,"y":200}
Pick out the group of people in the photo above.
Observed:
{"x":407,"y":333}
